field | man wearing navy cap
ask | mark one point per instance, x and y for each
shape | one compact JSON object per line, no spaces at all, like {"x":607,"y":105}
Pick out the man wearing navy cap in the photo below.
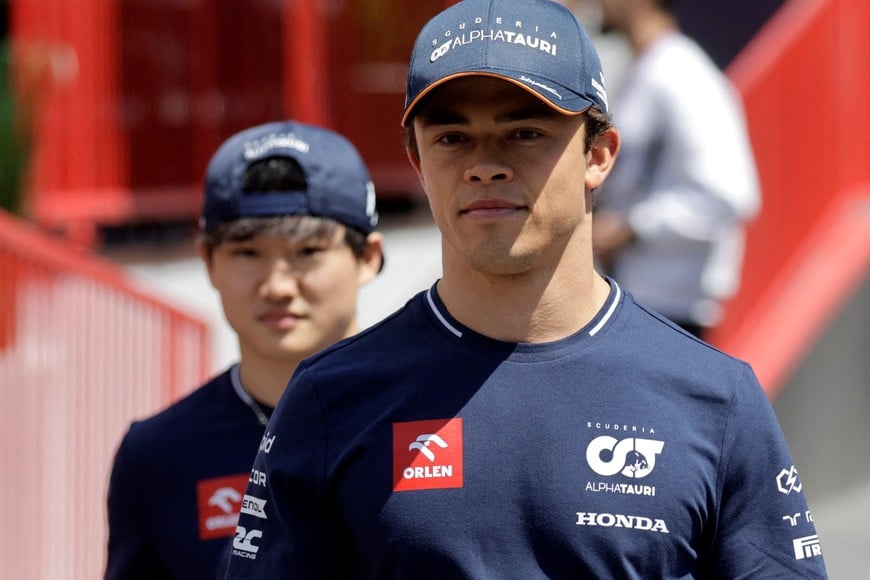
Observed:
{"x":524,"y":417}
{"x":288,"y":238}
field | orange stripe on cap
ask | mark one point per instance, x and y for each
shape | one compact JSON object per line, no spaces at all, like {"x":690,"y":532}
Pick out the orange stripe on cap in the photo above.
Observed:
{"x":410,"y":108}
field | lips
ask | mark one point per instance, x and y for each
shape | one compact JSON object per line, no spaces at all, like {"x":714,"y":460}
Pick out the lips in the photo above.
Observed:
{"x":490,"y":207}
{"x":280,"y":319}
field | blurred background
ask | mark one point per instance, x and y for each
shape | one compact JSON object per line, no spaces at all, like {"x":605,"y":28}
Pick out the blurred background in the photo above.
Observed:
{"x":110,"y":110}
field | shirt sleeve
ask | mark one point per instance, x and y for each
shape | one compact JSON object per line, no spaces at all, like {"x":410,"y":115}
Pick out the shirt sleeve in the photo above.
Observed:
{"x":765,"y":527}
{"x":131,"y":551}
{"x":287,"y":527}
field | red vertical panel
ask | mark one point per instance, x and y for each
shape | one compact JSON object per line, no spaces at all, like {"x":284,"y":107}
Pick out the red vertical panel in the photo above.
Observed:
{"x":96,"y":152}
{"x":806,"y":93}
{"x":35,"y":28}
{"x":307,"y":88}
{"x":851,"y":58}
{"x":770,"y":75}
{"x":68,"y":56}
{"x":85,"y":30}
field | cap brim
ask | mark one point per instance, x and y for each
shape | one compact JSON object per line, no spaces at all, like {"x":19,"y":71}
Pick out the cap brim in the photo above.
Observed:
{"x":572,"y":105}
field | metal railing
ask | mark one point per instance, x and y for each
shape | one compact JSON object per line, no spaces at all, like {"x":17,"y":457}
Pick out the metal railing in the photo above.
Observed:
{"x":82,"y":353}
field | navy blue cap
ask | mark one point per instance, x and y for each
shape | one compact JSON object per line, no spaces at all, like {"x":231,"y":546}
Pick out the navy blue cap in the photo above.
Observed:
{"x":338,"y":183}
{"x":538,"y":45}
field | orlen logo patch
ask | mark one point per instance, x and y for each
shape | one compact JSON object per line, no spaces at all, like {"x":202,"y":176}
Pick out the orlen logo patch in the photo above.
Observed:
{"x":219,"y":500}
{"x":427,"y":454}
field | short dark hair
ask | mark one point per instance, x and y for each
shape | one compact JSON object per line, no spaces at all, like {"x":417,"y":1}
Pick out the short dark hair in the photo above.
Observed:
{"x":279,"y":174}
{"x":670,"y":6}
{"x":274,"y":174}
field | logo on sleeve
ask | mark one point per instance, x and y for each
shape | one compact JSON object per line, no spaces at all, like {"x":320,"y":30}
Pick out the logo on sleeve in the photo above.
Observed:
{"x":243,"y":543}
{"x":807,"y":547}
{"x":795,"y":518}
{"x":219,"y":500}
{"x":787,"y":481}
{"x":254,"y":506}
{"x":427,"y":454}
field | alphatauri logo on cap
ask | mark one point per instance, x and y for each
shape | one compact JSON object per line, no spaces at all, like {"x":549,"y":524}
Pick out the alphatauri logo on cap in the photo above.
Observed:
{"x":497,"y":30}
{"x":258,"y":148}
{"x":427,"y":454}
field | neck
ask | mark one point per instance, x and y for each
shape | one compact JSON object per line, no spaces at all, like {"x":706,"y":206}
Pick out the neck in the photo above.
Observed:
{"x":537,"y":306}
{"x":264,"y":379}
{"x":646,"y":29}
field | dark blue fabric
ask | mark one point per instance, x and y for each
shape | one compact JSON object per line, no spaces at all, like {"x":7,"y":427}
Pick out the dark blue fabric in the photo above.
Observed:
{"x":538,"y":45}
{"x":152,"y":499}
{"x":636,"y":451}
{"x":338,"y":182}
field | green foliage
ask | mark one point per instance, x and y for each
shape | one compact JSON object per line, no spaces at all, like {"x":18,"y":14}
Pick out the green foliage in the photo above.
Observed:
{"x":14,"y":140}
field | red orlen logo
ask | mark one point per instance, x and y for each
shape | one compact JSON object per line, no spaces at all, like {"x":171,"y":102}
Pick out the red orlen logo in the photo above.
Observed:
{"x":427,"y":454}
{"x":219,"y":500}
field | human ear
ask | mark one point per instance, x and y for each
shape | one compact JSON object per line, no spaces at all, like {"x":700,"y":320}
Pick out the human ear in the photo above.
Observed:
{"x":372,"y":259}
{"x":205,"y":253}
{"x":601,"y":156}
{"x":412,"y":150}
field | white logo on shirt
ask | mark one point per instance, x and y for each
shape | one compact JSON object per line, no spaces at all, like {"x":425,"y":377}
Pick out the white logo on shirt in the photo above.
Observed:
{"x":224,"y":498}
{"x":631,"y":457}
{"x":266,"y":443}
{"x":787,"y":481}
{"x":422,"y":443}
{"x":257,"y":478}
{"x":254,"y":507}
{"x":807,"y":547}
{"x":243,"y":542}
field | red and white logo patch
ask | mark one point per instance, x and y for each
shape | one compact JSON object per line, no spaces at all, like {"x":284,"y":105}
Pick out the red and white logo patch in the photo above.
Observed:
{"x":427,"y":454}
{"x":220,"y":500}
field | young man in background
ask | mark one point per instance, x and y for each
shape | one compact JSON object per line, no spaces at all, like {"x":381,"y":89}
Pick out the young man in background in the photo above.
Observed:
{"x":288,"y":238}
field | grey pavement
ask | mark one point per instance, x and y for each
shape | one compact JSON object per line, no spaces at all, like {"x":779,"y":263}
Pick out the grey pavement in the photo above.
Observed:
{"x":843,"y":524}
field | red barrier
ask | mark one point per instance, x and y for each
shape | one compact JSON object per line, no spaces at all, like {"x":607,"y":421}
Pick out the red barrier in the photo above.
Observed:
{"x":135,"y":95}
{"x":807,"y":96}
{"x":82,"y":353}
{"x":67,"y":52}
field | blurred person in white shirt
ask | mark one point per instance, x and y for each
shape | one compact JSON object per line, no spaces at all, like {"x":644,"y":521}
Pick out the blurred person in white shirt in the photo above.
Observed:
{"x":671,"y":218}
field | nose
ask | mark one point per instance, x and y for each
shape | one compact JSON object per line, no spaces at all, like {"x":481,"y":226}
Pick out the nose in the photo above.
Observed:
{"x":280,"y":282}
{"x":486,"y":167}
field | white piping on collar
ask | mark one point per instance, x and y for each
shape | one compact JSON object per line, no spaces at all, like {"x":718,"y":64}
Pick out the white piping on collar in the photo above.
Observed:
{"x":236,"y":381}
{"x":246,"y":397}
{"x":616,"y":296}
{"x":440,"y":316}
{"x":592,"y":332}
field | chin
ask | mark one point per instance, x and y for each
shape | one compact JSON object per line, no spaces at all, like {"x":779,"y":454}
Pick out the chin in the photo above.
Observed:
{"x":503,"y":265}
